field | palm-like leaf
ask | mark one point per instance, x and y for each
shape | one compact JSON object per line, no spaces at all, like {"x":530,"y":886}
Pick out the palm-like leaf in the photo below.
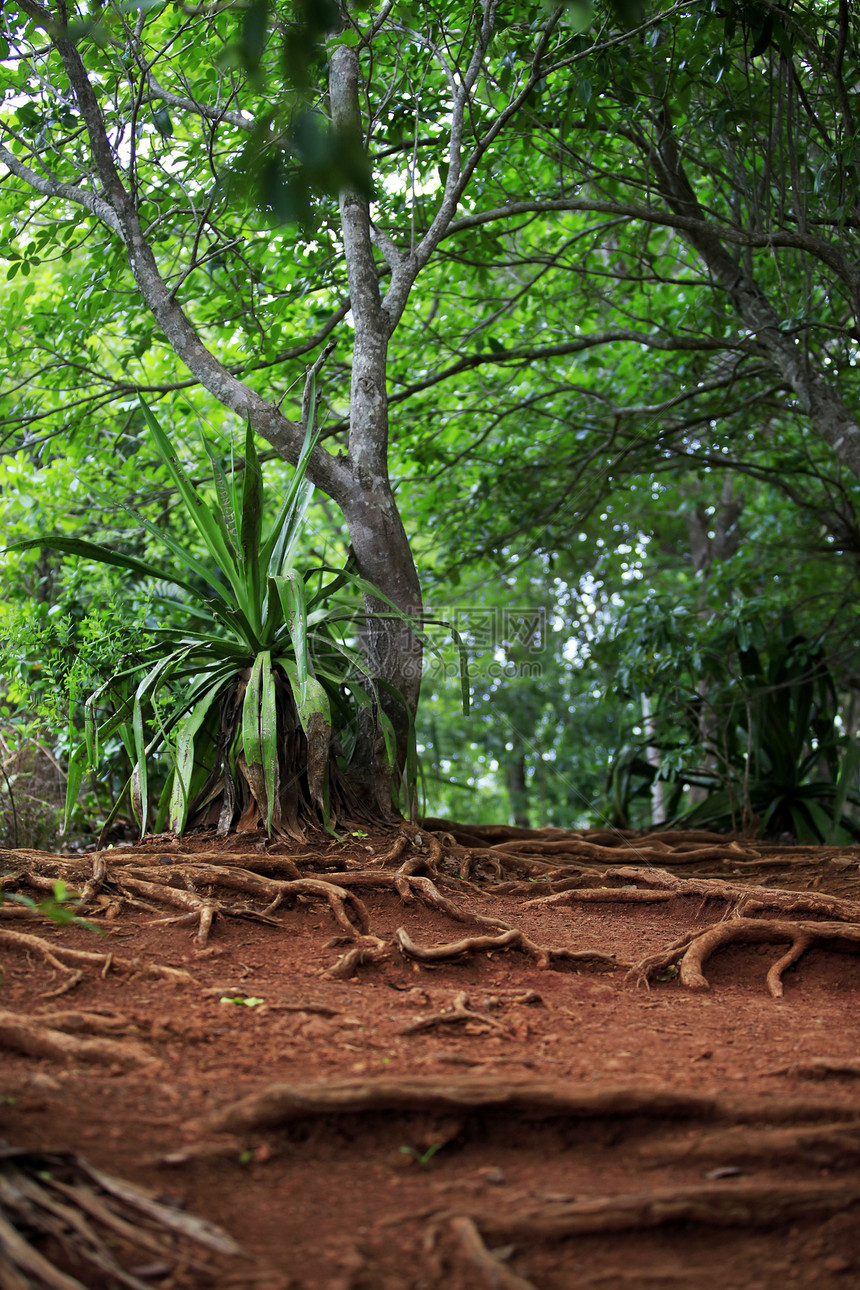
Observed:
{"x":251,"y":682}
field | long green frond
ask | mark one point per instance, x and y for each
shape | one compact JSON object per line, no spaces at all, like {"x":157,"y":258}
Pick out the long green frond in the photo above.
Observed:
{"x":180,"y":799}
{"x":269,"y":740}
{"x":252,"y":524}
{"x":105,"y":555}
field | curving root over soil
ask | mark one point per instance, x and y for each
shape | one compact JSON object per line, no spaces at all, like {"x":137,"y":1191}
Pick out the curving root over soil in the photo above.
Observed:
{"x":86,"y":1217}
{"x":452,"y":1018}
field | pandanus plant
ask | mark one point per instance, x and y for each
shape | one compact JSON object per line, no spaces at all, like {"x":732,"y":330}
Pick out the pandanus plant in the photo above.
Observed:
{"x":253,"y":690}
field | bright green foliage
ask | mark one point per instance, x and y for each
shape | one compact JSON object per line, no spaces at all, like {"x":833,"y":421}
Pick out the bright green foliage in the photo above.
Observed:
{"x":572,"y":378}
{"x":254,"y":677}
{"x":59,"y":907}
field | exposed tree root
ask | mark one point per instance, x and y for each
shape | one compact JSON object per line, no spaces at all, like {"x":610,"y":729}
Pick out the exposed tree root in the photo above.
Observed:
{"x":347,"y":910}
{"x":496,"y":1276}
{"x":692,"y":952}
{"x":550,"y":878}
{"x":39,"y":1040}
{"x":460,"y":1011}
{"x":372,"y":950}
{"x":487,"y":835}
{"x":159,"y":875}
{"x":716,"y":1205}
{"x":338,"y":890}
{"x":605,"y":896}
{"x":280,"y":1104}
{"x":502,"y":856}
{"x":409,"y":867}
{"x":73,"y":980}
{"x":512,"y":939}
{"x":60,"y":957}
{"x":74,"y":1021}
{"x":197,"y":907}
{"x":822,"y":1145}
{"x":90,"y":1216}
{"x":819,"y":1067}
{"x":645,"y":885}
{"x":644,"y":853}
{"x":411,"y":887}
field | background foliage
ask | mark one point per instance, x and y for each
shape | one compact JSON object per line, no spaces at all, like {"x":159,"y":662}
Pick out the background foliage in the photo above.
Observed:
{"x":620,"y":396}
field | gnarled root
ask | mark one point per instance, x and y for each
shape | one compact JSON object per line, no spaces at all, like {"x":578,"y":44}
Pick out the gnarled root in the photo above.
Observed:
{"x":693,"y":950}
{"x":281,"y":1104}
{"x":514,"y":939}
{"x":60,"y":957}
{"x":37,"y":1039}
{"x":371,"y":949}
{"x":347,"y":909}
{"x":93,"y":1217}
{"x":819,"y":1068}
{"x":410,"y":886}
{"x":714,"y":1204}
{"x":491,"y":1267}
{"x":829,"y":1145}
{"x":634,"y":886}
{"x":459,"y":1011}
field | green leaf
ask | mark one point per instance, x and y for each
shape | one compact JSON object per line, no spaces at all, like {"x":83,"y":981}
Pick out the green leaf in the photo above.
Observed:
{"x":180,"y":799}
{"x":252,"y":737}
{"x":198,"y":511}
{"x":269,"y":741}
{"x":847,"y":774}
{"x":76,"y":768}
{"x":764,"y":37}
{"x":580,"y":14}
{"x":226,"y":504}
{"x":182,"y":554}
{"x":279,"y":548}
{"x":251,"y":745}
{"x":252,"y":519}
{"x":162,"y":122}
{"x":290,"y":588}
{"x":314,"y":709}
{"x":104,"y":555}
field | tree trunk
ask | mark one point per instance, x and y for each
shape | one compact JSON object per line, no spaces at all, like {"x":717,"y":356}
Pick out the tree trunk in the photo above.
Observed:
{"x":706,"y":551}
{"x":652,"y":756}
{"x":376,"y":530}
{"x":832,"y":419}
{"x":393,"y":652}
{"x":517,"y":786}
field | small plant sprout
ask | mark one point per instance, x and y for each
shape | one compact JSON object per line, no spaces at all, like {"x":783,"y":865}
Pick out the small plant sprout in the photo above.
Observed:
{"x":59,"y":907}
{"x":422,"y":1158}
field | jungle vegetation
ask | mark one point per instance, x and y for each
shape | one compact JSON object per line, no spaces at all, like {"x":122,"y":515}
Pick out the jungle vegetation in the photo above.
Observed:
{"x":555,"y":309}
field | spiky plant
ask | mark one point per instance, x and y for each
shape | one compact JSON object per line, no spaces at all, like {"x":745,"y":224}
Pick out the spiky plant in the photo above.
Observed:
{"x":251,"y":691}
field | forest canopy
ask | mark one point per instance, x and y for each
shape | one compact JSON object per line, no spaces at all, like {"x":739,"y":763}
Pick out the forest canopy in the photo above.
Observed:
{"x":577,"y":289}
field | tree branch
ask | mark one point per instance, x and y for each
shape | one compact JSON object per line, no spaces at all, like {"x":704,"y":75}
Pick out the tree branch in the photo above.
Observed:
{"x":54,"y":188}
{"x":782,"y":238}
{"x":405,"y":272}
{"x":158,"y":93}
{"x":118,"y":212}
{"x":368,"y":432}
{"x":538,"y":352}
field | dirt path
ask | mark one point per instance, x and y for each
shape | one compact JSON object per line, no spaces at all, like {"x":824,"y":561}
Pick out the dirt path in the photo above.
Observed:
{"x":447,"y":1075}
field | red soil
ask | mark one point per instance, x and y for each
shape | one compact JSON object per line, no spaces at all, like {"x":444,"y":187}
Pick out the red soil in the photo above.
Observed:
{"x":753,"y":1183}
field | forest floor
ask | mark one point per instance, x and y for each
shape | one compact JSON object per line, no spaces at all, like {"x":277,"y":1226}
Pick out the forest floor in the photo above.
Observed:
{"x":446,"y":1058}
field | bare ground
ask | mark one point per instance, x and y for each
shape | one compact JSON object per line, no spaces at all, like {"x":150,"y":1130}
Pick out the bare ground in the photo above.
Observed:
{"x":442,"y":1058}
